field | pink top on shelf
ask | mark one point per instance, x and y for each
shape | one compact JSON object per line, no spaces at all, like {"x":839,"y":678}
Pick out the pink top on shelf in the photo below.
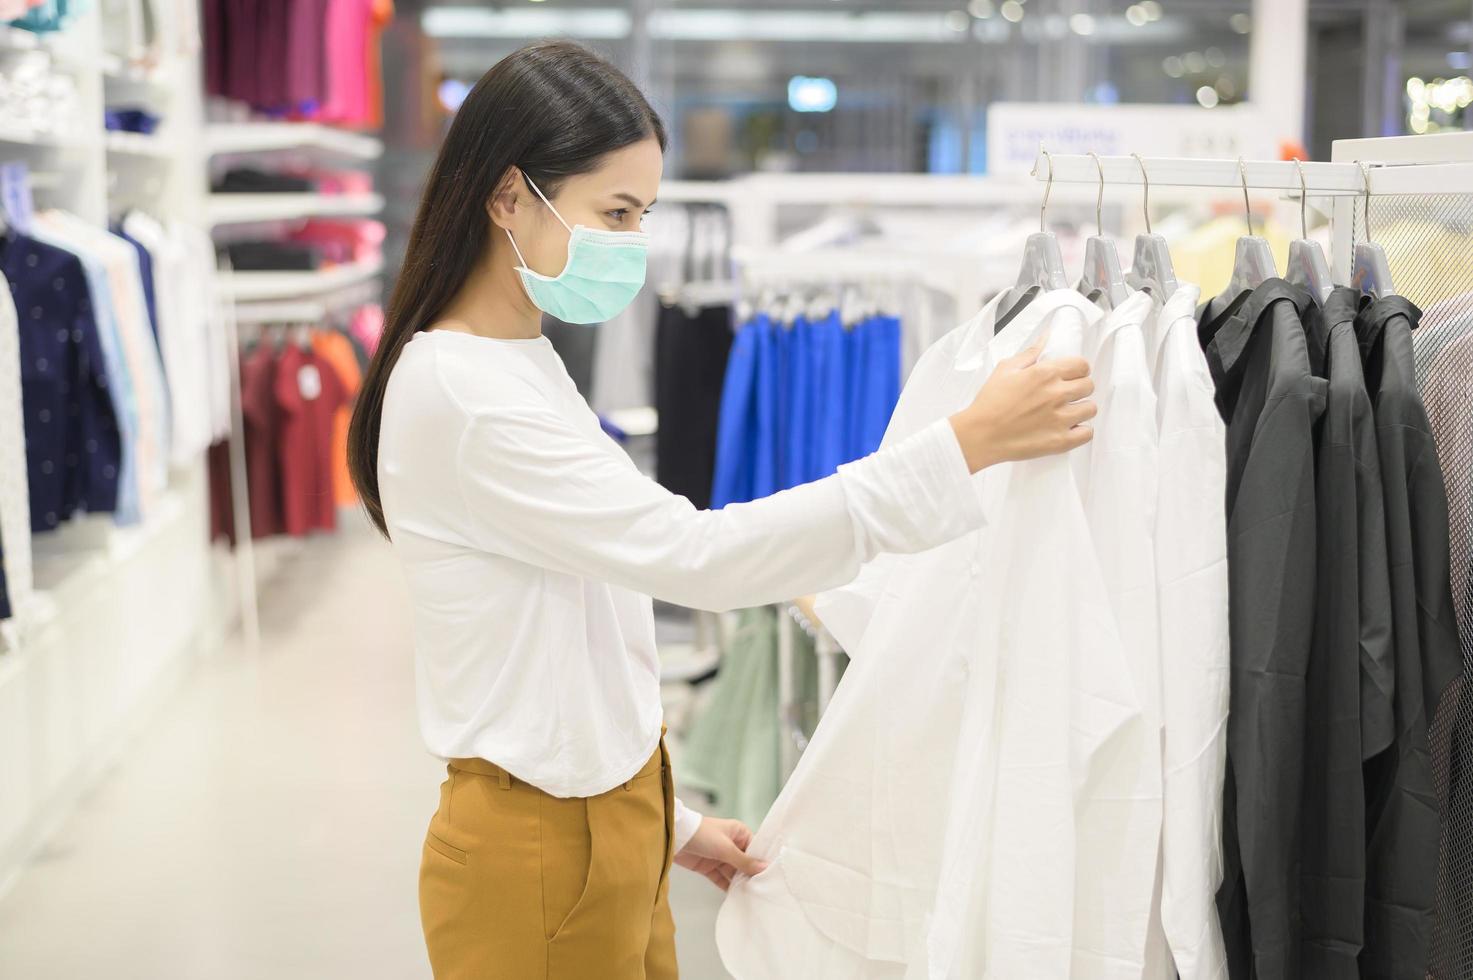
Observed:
{"x":343,"y":241}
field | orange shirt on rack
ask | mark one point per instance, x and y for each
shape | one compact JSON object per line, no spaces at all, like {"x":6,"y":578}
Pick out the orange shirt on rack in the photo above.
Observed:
{"x":383,"y":13}
{"x":337,"y":351}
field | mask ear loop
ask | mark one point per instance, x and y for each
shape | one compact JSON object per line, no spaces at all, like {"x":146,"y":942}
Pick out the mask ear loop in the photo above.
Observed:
{"x":538,"y":191}
{"x":546,"y":201}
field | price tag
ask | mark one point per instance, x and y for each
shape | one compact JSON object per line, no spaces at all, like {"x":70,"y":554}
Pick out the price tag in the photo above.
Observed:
{"x":15,"y":195}
{"x":309,"y":382}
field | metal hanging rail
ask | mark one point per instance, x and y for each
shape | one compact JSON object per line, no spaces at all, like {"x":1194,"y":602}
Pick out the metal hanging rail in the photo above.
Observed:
{"x":1321,"y":179}
{"x":1229,"y":174}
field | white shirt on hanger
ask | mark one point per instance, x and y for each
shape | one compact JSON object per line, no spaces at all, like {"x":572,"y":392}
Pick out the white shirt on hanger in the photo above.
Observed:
{"x":182,"y":338}
{"x":1117,"y":921}
{"x":1192,"y":603}
{"x":15,"y":509}
{"x":929,"y":830}
{"x":531,"y":545}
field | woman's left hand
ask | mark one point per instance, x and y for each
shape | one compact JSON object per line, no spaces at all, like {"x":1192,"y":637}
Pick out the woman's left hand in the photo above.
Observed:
{"x":719,"y":850}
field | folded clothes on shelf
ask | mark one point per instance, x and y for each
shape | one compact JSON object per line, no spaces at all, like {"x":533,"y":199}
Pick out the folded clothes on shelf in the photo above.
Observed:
{"x":251,"y":180}
{"x":130,"y":119}
{"x":270,"y":256}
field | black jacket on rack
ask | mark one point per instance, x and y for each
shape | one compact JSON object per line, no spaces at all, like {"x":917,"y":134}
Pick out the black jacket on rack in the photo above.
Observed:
{"x":1403,"y":817}
{"x":1349,"y":682}
{"x":1271,"y":402}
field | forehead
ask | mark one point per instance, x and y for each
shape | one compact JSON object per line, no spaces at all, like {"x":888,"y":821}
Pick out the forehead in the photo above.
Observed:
{"x":633,"y":169}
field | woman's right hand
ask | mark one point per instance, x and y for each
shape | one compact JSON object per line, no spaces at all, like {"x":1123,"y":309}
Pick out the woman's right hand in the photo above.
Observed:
{"x":1028,"y":408}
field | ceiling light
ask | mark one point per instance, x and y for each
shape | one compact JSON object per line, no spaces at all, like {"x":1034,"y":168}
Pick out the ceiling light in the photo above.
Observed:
{"x":1082,"y":24}
{"x":1152,"y":9}
{"x":1136,"y":15}
{"x":1242,"y":23}
{"x":1215,"y":57}
{"x":1226,"y":87}
{"x":1207,"y":97}
{"x":1173,"y":66}
{"x":980,"y":9}
{"x":1012,"y":11}
{"x":1194,"y":62}
{"x":958,"y":21}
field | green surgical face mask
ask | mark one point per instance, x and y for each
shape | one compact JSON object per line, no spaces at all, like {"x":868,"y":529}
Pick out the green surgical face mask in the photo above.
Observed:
{"x":604,"y":272}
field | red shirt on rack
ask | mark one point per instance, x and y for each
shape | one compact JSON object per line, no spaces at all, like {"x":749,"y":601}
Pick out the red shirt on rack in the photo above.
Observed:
{"x":262,"y":425}
{"x":309,"y":393}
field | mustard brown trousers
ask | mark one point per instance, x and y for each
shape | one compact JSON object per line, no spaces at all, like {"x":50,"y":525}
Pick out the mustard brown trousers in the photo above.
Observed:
{"x":515,"y":884}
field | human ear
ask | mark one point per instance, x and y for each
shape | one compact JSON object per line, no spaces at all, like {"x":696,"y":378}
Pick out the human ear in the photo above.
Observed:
{"x":501,"y":206}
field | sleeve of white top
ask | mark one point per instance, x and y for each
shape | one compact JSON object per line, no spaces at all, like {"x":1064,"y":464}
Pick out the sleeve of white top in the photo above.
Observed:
{"x":687,"y":822}
{"x":536,"y":489}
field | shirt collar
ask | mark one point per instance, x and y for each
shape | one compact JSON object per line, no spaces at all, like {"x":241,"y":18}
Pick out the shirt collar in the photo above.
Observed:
{"x":1374,"y":314}
{"x":1135,"y":310}
{"x":1180,"y":305}
{"x":1023,"y":328}
{"x":1232,"y":330}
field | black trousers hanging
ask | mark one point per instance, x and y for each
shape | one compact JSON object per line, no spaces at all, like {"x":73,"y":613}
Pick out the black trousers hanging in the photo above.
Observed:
{"x":690,"y":366}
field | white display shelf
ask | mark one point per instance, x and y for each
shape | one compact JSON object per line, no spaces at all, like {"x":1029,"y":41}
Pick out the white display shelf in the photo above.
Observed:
{"x":259,"y":137}
{"x":15,"y":39}
{"x":246,"y":287}
{"x":228,"y":209}
{"x":138,"y":144}
{"x":12,"y":134}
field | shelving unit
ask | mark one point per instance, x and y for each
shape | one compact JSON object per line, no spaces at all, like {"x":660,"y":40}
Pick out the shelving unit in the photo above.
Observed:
{"x":227,"y":209}
{"x":138,"y":144}
{"x":253,"y":287}
{"x":118,"y":614}
{"x":263,"y":137}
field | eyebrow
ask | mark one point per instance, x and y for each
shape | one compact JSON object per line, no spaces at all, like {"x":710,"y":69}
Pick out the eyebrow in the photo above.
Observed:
{"x":634,"y":202}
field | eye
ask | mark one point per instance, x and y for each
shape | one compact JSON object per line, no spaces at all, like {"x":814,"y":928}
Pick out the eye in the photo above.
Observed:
{"x":619,"y":214}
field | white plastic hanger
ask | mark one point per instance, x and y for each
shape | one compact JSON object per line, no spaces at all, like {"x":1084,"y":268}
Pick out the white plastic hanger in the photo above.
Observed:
{"x":1043,"y":264}
{"x":1150,"y":268}
{"x":1307,"y":266}
{"x":1254,"y":262}
{"x":1371,"y":273}
{"x":1103,"y":282}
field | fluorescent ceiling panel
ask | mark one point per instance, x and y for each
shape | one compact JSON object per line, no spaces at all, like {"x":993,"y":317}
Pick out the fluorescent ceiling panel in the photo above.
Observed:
{"x":467,"y":22}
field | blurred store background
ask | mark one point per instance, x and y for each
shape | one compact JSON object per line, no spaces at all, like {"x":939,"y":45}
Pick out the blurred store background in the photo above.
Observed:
{"x":209,"y":766}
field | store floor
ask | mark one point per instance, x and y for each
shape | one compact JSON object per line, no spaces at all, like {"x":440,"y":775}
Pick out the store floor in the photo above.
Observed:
{"x":267,"y":821}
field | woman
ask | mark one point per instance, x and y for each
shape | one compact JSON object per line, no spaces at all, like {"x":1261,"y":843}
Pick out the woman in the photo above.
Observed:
{"x":531,"y":544}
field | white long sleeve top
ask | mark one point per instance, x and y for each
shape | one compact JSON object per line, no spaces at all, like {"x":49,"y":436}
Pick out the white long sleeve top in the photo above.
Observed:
{"x":531,"y":545}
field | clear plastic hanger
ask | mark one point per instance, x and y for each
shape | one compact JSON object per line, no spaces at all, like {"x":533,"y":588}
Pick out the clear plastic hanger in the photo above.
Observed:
{"x":1103,"y":282}
{"x":1254,"y":262}
{"x":1371,"y":273}
{"x":1043,"y":264}
{"x":1150,"y":268}
{"x":1307,"y":266}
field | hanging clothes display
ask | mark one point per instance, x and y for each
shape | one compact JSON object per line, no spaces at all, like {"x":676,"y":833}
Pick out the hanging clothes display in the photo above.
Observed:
{"x":1263,"y":494}
{"x":124,"y":284}
{"x":803,"y":393}
{"x":309,"y":59}
{"x":297,"y":387}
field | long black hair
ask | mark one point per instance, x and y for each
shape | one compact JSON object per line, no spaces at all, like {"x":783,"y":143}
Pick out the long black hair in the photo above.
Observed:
{"x":553,"y":109}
